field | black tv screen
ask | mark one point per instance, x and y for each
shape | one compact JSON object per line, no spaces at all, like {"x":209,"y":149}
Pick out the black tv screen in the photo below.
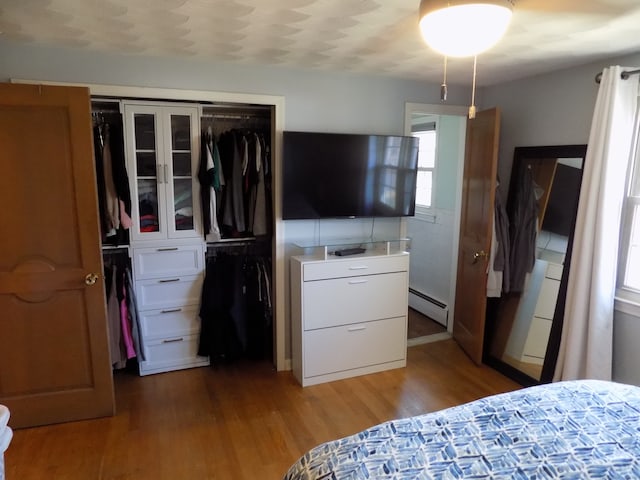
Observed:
{"x":336,"y":175}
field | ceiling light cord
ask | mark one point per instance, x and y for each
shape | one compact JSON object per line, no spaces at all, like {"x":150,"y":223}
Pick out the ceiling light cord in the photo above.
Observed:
{"x":472,"y":108}
{"x":443,"y":87}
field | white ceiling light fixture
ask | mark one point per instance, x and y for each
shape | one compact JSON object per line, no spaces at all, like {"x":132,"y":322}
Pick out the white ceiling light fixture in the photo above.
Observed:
{"x":463,"y":28}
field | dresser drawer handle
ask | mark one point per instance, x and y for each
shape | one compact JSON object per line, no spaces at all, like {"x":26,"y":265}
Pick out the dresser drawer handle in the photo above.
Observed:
{"x":172,"y":311}
{"x":364,"y":267}
{"x":173,"y":340}
{"x":169,"y":280}
{"x":356,"y":282}
{"x":169,"y":249}
{"x":356,"y":329}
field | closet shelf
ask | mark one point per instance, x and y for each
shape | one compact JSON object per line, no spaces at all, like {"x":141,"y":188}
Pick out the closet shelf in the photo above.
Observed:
{"x":373,"y":246}
{"x":115,"y":247}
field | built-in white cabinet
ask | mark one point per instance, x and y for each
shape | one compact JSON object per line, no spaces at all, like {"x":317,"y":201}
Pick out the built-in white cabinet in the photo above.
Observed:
{"x":349,"y":315}
{"x":168,"y":251}
{"x":168,"y":282}
{"x":162,"y":160}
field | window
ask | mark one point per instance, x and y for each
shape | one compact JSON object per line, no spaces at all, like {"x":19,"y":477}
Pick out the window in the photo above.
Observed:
{"x":426,"y":133}
{"x":629,"y":264}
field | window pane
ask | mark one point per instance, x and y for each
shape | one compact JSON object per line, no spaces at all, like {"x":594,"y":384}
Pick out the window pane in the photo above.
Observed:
{"x":632,"y":270}
{"x":183,"y":204}
{"x":181,"y":164}
{"x":146,"y":164}
{"x":423,"y":188}
{"x":145,"y":128}
{"x":180,"y":132}
{"x":427,"y":152}
{"x":148,"y":205}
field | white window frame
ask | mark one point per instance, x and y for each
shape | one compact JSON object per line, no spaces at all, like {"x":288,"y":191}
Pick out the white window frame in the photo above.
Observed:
{"x":421,"y":209}
{"x":628,"y":297}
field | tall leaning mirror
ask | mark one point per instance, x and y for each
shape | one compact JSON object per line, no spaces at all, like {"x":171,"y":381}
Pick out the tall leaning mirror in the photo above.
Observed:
{"x":524,"y":319}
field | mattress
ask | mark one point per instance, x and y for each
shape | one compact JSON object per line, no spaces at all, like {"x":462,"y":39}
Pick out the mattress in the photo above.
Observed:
{"x":569,"y":430}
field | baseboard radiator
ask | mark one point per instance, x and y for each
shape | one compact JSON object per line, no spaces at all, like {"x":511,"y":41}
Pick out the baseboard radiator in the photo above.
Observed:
{"x":429,"y":306}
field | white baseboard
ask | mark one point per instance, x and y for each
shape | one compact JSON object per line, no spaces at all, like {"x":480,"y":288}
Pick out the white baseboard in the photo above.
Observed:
{"x":429,"y":309}
{"x":436,"y":337}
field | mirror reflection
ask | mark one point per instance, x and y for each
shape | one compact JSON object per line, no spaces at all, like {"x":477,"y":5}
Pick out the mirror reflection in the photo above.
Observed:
{"x":544,"y":190}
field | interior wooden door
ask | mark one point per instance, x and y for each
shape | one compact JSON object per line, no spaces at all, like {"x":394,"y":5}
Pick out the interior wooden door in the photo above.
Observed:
{"x":478,"y":195}
{"x":54,"y":360}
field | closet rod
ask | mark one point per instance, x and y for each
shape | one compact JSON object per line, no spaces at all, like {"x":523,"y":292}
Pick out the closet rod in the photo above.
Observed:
{"x":113,"y":249}
{"x":104,"y":100}
{"x":233,"y":117}
{"x":236,"y":106}
{"x":624,"y":75}
{"x":232,"y":242}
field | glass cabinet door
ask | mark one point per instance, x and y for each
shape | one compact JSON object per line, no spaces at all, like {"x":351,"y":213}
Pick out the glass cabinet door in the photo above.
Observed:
{"x":182,"y":172}
{"x":162,"y":154}
{"x":147,"y":166}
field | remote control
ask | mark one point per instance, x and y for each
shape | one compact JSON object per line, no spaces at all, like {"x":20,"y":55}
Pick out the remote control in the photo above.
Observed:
{"x":350,"y":251}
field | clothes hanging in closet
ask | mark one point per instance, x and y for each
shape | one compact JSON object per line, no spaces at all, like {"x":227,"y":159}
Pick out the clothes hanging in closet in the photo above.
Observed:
{"x":123,"y":322}
{"x":241,"y":183}
{"x":212,"y":181}
{"x":114,"y":197}
{"x":236,"y":309}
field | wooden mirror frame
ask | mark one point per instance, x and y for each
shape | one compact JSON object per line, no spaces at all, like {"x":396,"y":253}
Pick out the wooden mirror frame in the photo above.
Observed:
{"x":521,"y":155}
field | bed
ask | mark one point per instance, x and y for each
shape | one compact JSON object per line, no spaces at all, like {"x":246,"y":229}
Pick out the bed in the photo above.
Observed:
{"x":570,"y":430}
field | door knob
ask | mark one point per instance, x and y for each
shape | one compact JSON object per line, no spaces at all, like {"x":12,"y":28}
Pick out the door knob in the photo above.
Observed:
{"x":479,"y":254}
{"x":91,"y":279}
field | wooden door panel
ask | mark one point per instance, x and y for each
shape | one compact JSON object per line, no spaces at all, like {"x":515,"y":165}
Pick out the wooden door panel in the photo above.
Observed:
{"x":35,"y":323}
{"x":42,"y":185}
{"x":478,"y":194}
{"x":54,"y":360}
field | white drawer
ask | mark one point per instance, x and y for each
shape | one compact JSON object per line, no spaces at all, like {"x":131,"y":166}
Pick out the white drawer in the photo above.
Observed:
{"x":171,"y":354}
{"x":351,"y":267}
{"x":168,"y":261}
{"x":160,"y":293}
{"x":535,"y":347}
{"x":341,"y":301}
{"x":343,"y":348}
{"x":554,"y":270}
{"x":547,"y":299}
{"x":169,"y":322}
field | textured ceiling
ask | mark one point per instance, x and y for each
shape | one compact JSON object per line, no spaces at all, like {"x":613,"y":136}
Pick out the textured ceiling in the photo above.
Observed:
{"x":360,"y":36}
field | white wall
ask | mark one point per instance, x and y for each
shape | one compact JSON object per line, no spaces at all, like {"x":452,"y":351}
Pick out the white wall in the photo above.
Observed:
{"x":556,"y":109}
{"x":314,"y":101}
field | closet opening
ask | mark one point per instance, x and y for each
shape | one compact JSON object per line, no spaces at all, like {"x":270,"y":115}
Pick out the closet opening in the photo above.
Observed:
{"x":197,"y":251}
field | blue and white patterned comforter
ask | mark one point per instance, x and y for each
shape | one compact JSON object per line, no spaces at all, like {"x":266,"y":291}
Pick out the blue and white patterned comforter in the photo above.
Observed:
{"x":570,"y":430}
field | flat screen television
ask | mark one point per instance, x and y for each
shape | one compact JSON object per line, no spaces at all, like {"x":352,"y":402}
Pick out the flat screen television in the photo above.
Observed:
{"x":337,"y":175}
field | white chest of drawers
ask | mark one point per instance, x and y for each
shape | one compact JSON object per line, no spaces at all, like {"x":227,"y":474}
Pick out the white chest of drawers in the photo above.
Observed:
{"x":168,"y":282}
{"x":349,"y":316}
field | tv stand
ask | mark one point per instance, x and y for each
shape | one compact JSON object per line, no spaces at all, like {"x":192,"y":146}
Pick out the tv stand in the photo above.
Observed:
{"x":348,"y":314}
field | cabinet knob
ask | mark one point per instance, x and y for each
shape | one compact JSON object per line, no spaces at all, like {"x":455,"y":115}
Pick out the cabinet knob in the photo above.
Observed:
{"x":479,"y":254}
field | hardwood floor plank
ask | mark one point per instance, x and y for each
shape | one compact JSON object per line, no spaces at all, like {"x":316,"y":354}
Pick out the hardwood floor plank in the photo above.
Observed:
{"x":241,"y":421}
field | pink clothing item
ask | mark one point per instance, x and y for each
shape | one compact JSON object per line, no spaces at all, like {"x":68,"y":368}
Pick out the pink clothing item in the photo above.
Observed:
{"x":114,"y":326}
{"x":127,"y":337}
{"x":125,"y":220}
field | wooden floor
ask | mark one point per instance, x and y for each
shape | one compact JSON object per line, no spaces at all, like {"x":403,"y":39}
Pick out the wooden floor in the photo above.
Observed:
{"x":420,"y":325}
{"x":240,"y":422}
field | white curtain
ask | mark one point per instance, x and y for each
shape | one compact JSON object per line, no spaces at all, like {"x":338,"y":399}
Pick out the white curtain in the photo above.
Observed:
{"x":587,"y":335}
